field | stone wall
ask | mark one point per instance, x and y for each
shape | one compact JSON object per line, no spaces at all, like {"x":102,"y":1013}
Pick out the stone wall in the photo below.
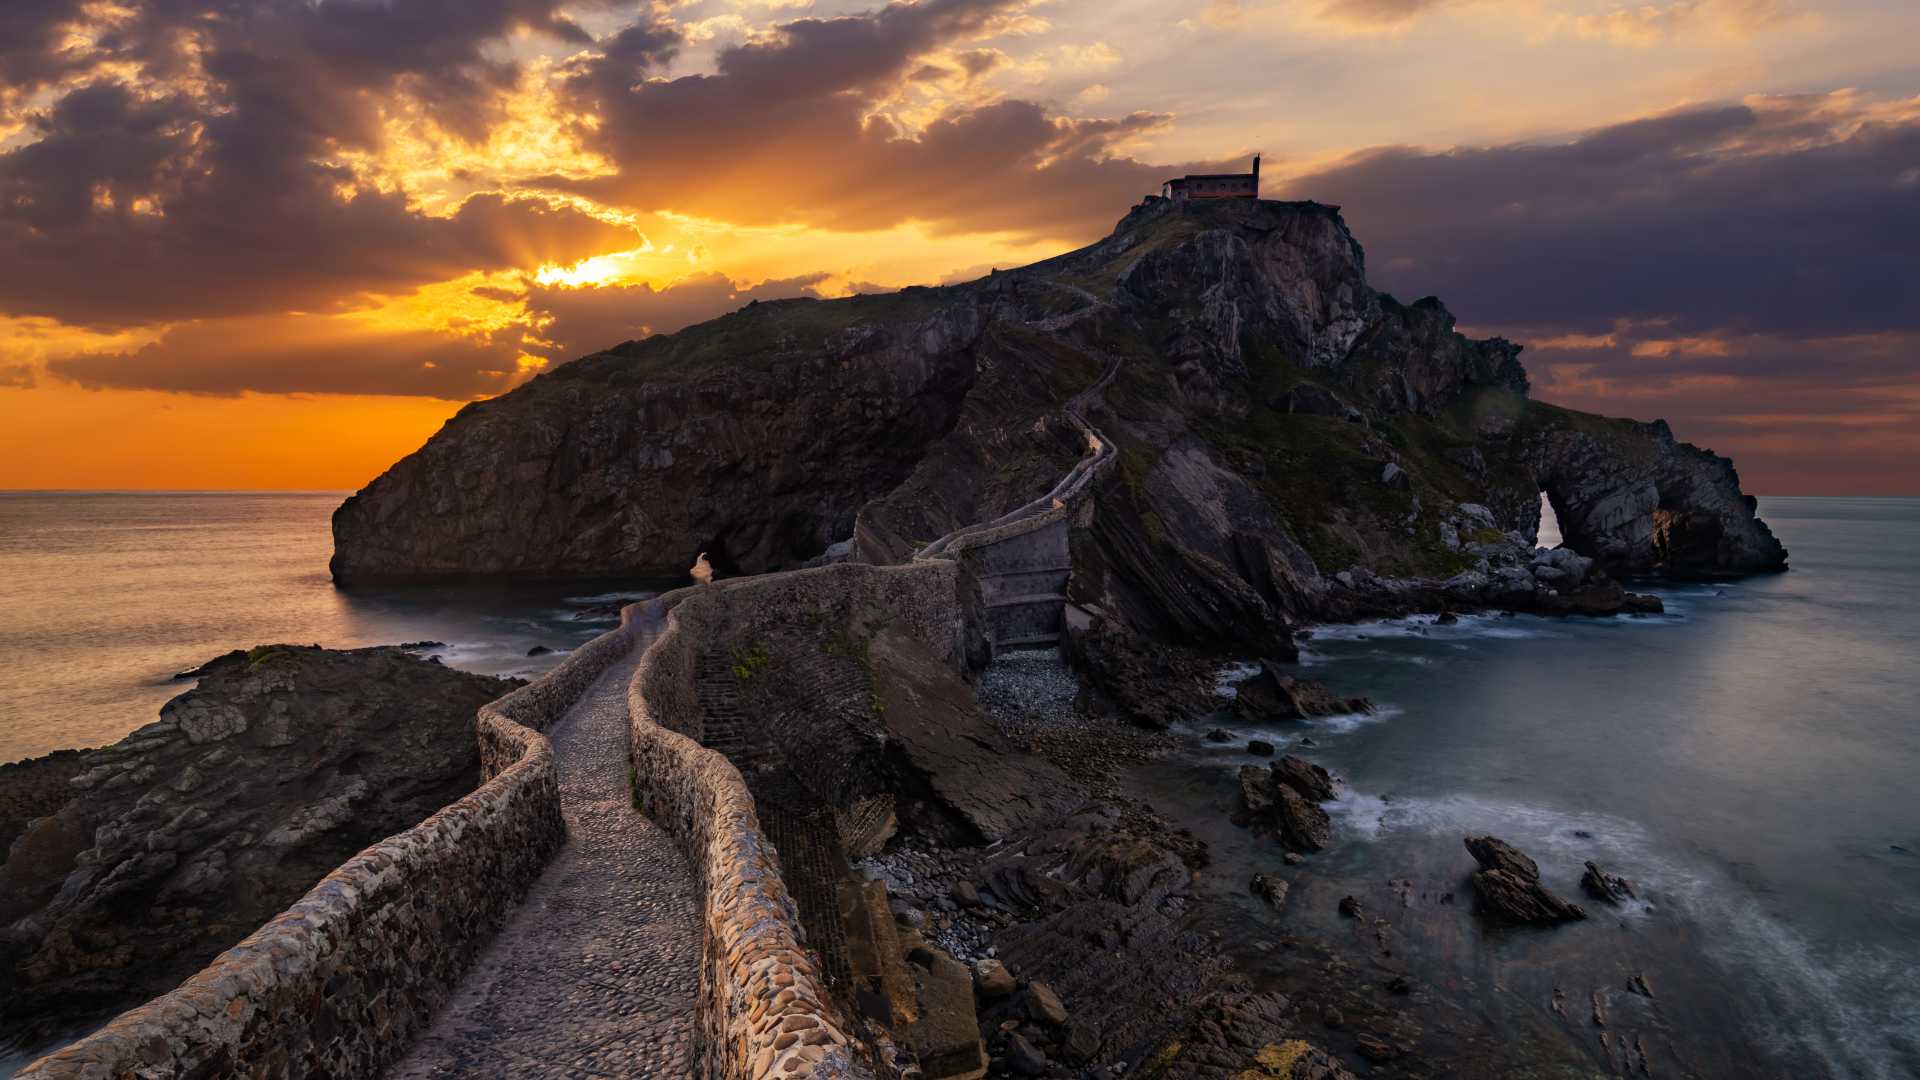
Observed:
{"x":340,"y":983}
{"x":765,"y":1010}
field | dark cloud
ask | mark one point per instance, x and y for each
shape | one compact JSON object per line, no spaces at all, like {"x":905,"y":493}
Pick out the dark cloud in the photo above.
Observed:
{"x":304,"y":354}
{"x":588,"y":320}
{"x":134,"y":208}
{"x":1783,"y":219}
{"x":16,"y":377}
{"x":783,"y":131}
{"x":32,"y":43}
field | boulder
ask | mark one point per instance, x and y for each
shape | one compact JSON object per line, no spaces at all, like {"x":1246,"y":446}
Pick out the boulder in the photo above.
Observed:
{"x":1024,"y":1058}
{"x":1260,"y":748}
{"x":1283,"y":799}
{"x":1311,"y":781}
{"x":991,"y":979}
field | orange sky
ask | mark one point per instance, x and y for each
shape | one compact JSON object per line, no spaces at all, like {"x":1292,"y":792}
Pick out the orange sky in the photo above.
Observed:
{"x":277,"y":247}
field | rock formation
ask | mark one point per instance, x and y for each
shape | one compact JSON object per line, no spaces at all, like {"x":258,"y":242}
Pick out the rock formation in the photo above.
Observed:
{"x":1290,"y":443}
{"x":1272,"y":694}
{"x":188,"y":834}
{"x":1508,"y":885}
{"x":1284,"y":799}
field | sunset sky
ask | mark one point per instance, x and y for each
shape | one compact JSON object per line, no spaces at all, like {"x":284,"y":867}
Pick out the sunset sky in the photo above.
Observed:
{"x":275,"y":243}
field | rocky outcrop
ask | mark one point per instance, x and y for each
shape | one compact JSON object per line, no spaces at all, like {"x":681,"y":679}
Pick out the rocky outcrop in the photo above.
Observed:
{"x":1608,"y":887}
{"x":1283,"y":799}
{"x":1508,"y":885}
{"x":1272,"y":694}
{"x":755,"y":438}
{"x":187,"y":835}
{"x":1639,"y":501}
{"x":1288,"y":444}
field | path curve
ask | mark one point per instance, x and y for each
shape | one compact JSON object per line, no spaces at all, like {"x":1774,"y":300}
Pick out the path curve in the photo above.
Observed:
{"x":598,"y":972}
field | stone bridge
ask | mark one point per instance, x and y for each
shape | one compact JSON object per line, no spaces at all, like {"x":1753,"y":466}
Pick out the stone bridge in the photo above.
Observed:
{"x":642,"y":885}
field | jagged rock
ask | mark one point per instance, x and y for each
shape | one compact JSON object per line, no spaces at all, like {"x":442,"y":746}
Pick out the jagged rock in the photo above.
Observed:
{"x":1272,"y":695}
{"x":1350,"y":906}
{"x":1282,"y":798}
{"x":1493,"y":853}
{"x":190,"y":833}
{"x":1311,"y":781}
{"x":1521,"y":900}
{"x":1508,"y":884}
{"x":1604,"y":886}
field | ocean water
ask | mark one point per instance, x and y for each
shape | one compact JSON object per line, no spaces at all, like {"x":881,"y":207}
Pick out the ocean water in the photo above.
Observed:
{"x":1751,"y":760}
{"x":104,"y":597}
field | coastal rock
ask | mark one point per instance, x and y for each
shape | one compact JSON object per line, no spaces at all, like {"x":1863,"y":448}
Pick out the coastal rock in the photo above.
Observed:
{"x":187,"y":835}
{"x":1282,"y":799}
{"x":1273,"y":695}
{"x":1493,"y":853}
{"x":1271,"y":889}
{"x":1508,"y":885}
{"x":1604,"y":886}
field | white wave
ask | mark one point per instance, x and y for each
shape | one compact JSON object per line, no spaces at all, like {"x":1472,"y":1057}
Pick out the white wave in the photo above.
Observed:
{"x":1346,"y":722}
{"x":1226,"y":682}
{"x":610,"y":597}
{"x":1857,"y":1011}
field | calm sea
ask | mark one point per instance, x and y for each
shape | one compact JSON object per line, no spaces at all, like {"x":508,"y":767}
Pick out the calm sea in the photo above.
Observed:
{"x":1751,"y":759}
{"x":104,"y":597}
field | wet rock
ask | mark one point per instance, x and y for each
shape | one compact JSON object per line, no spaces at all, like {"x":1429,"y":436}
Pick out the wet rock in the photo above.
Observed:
{"x":1219,"y":735}
{"x":1446,"y":618}
{"x":1310,"y":780}
{"x":539,"y":650}
{"x":1271,"y":889}
{"x":1350,"y":906}
{"x":1520,"y":900}
{"x":965,"y":894}
{"x":1269,"y":804}
{"x":1260,"y":748}
{"x":1273,"y":695}
{"x":1493,"y":853}
{"x":1604,"y":886}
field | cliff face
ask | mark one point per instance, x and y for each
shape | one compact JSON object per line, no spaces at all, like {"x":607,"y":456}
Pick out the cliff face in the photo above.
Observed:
{"x":1292,"y":443}
{"x":152,"y":855}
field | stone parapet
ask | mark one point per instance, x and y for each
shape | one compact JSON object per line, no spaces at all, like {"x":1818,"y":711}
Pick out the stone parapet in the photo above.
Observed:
{"x":765,"y":1009}
{"x":340,"y":983}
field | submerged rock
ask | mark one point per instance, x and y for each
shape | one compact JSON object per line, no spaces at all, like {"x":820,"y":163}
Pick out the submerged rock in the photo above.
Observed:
{"x":190,"y":833}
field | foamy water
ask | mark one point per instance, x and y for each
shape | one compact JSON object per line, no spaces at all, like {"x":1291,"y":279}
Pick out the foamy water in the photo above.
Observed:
{"x":1746,"y":759}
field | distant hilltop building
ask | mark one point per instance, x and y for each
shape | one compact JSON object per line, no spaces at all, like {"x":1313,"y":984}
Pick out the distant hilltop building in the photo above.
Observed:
{"x":1215,"y":185}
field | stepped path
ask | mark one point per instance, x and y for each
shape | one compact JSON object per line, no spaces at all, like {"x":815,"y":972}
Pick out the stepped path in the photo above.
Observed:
{"x":597,"y":972}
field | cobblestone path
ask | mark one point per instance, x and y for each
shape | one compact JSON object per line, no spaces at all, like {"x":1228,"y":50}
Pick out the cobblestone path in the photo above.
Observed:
{"x":597,"y":971}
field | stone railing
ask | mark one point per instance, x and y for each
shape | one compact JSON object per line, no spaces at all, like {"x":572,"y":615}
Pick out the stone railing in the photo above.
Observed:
{"x":764,"y":1008}
{"x":340,"y":983}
